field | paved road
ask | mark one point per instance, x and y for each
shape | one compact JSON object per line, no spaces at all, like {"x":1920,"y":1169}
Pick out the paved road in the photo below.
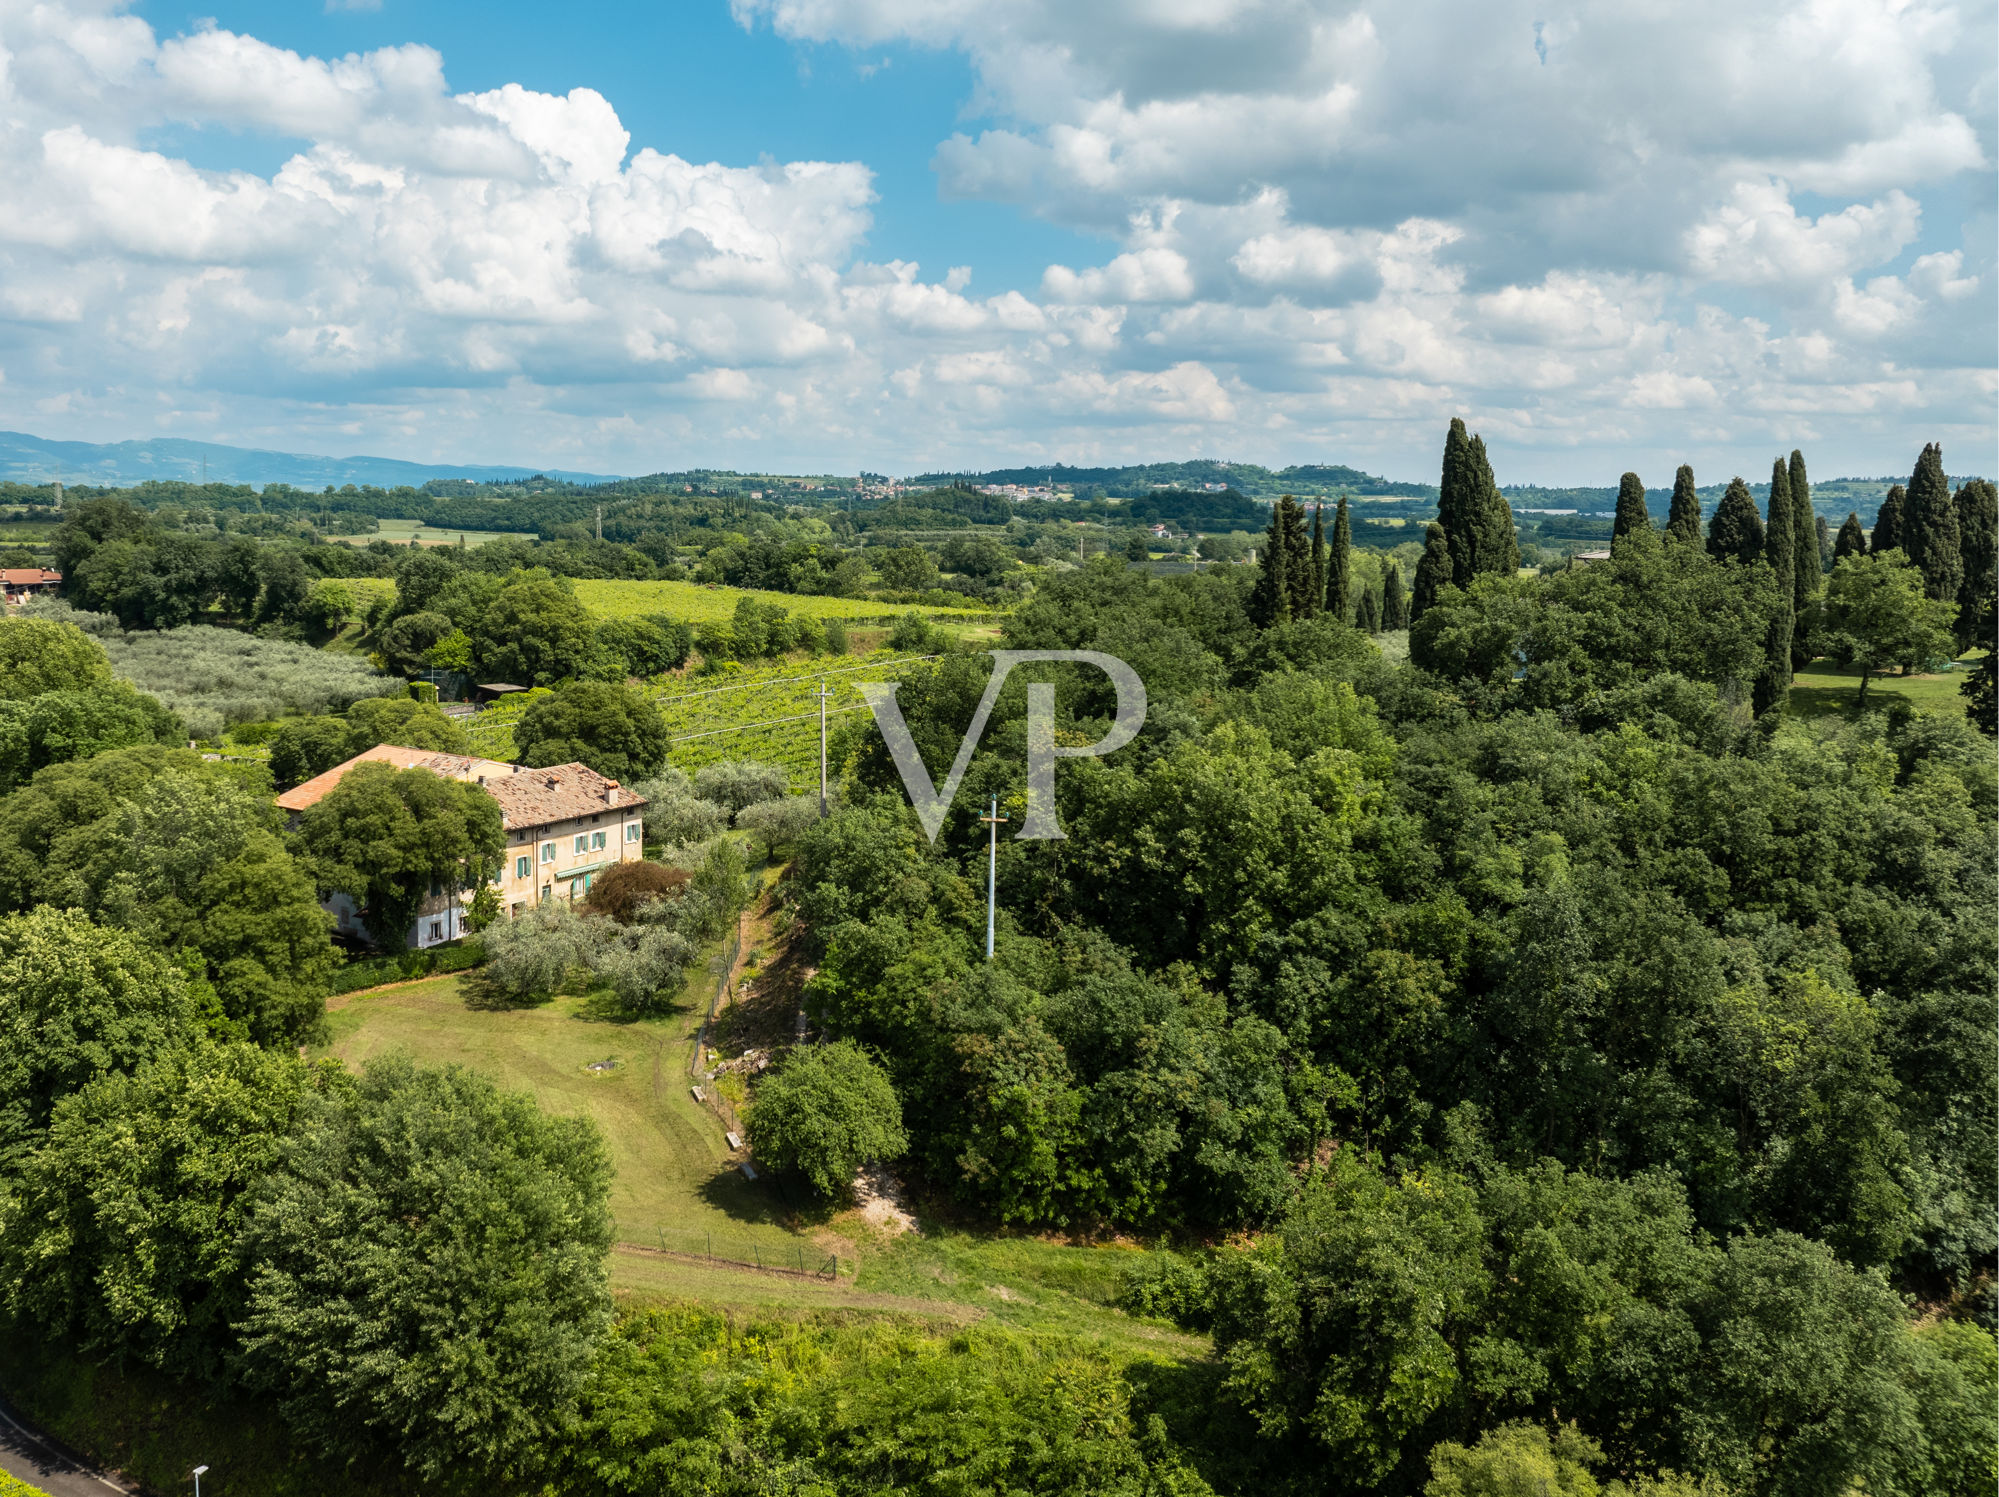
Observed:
{"x":24,"y":1454}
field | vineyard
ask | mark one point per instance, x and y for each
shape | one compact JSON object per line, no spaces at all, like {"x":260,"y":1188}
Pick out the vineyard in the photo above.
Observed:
{"x":770,"y":714}
{"x":699,"y":603}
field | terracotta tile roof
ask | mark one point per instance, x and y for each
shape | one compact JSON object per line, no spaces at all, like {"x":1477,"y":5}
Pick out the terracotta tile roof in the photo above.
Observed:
{"x":536,"y":797}
{"x":27,"y":576}
{"x":451,"y":766}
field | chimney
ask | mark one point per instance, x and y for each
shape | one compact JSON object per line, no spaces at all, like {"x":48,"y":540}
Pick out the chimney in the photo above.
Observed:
{"x":610,"y":792}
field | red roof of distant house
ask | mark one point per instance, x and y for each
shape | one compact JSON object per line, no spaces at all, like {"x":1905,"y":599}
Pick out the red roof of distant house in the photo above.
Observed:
{"x":527,"y":797}
{"x":451,"y":766}
{"x":28,"y":576}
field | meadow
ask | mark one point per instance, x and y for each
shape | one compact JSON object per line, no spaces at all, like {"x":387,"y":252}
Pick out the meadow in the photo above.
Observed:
{"x":402,"y":532}
{"x":705,"y":603}
{"x":1823,"y":689}
{"x":677,"y":1186}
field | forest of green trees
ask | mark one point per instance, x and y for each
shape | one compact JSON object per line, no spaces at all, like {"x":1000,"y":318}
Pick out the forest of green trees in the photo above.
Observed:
{"x":1540,"y":1064}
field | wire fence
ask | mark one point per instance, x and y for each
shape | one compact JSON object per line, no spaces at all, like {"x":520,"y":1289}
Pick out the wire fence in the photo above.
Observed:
{"x":797,"y":1260}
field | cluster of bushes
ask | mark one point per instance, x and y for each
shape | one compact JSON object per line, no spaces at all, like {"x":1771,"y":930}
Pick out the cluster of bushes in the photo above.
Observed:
{"x":216,"y":678}
{"x":641,"y":930}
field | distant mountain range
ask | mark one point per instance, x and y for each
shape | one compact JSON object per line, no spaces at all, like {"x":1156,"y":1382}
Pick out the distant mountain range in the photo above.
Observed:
{"x":30,"y":459}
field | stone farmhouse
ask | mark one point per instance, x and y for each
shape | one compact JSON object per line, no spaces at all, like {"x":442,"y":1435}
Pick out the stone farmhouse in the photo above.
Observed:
{"x":565,"y":825}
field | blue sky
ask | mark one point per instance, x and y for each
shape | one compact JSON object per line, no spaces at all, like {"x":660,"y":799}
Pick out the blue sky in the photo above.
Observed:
{"x":819,"y":235}
{"x":691,"y":79}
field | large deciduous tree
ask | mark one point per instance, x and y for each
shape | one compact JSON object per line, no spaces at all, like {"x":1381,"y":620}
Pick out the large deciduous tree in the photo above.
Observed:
{"x":828,"y":1111}
{"x":534,"y":634}
{"x":124,"y":1230}
{"x":606,"y":725}
{"x":76,"y":1001}
{"x":1877,"y":606}
{"x":386,"y":837}
{"x":41,"y":655}
{"x":426,"y":1272}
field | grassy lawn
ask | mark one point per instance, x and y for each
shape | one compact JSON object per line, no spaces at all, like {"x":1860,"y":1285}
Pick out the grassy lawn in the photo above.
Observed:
{"x":673,"y":1174}
{"x":699,"y":603}
{"x":676,"y":1187}
{"x":1823,"y":689}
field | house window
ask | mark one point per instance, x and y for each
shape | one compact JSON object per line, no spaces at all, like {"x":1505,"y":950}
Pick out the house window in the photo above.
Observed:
{"x":583,"y":843}
{"x":437,"y":930}
{"x":631,"y":831}
{"x":523,"y":866}
{"x":545,"y":889}
{"x":596,"y":842}
{"x":548,"y":852}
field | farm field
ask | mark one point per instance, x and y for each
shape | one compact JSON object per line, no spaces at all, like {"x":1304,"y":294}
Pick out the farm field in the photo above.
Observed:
{"x":769,"y":713}
{"x":699,"y":603}
{"x":402,"y":532}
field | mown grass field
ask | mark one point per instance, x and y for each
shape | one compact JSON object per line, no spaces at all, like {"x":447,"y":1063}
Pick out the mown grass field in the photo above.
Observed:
{"x":699,"y":603}
{"x":1823,"y":689}
{"x":675,"y":1183}
{"x":402,"y":532}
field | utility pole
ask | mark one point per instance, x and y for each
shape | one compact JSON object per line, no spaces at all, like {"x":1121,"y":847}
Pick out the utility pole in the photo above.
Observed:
{"x":992,"y":871}
{"x":824,"y":696}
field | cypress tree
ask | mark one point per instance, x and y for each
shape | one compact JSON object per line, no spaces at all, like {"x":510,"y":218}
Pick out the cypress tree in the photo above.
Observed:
{"x":1805,"y":526}
{"x":1270,"y":599}
{"x":1888,"y":523}
{"x":1498,"y":545}
{"x":1805,"y":569}
{"x":1929,"y":527}
{"x":1367,"y":615}
{"x":1477,"y":520}
{"x":1297,"y":559}
{"x":1683,"y":522}
{"x":1457,"y":501}
{"x":1318,"y":580}
{"x":1852,"y":539}
{"x":1822,"y":538}
{"x":1735,"y":529}
{"x":1774,"y":681}
{"x":1631,"y":512}
{"x":1432,"y":572}
{"x":1978,"y":533}
{"x":1339,"y":567}
{"x":1394,"y":602}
